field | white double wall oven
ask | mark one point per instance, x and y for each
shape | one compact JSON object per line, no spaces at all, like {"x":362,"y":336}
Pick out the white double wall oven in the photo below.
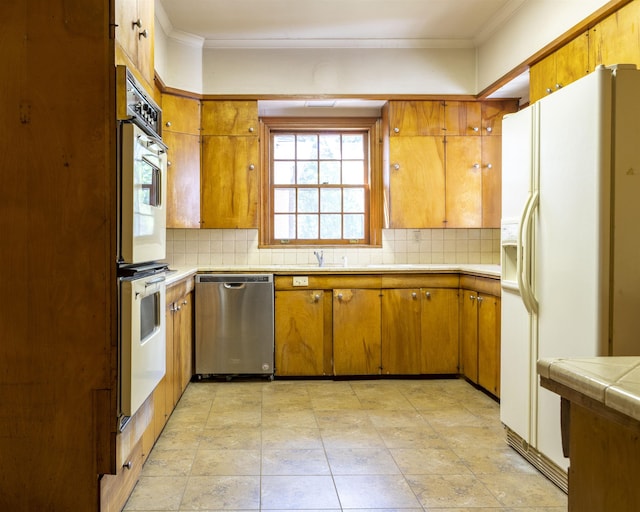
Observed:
{"x":142,"y":181}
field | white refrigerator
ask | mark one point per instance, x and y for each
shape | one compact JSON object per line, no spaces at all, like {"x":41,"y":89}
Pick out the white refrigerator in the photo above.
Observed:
{"x":570,"y":243}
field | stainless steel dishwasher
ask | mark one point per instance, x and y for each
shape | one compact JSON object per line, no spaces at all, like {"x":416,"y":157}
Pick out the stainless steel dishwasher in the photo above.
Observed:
{"x":234,"y":324}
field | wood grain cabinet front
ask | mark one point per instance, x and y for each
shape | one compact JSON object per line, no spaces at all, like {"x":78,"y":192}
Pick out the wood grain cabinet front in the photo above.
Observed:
{"x":230,"y":164}
{"x":300,"y":333}
{"x":135,"y":36}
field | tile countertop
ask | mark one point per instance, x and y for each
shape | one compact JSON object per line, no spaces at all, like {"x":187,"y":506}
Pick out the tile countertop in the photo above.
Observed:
{"x":180,"y":272}
{"x":613,"y":381}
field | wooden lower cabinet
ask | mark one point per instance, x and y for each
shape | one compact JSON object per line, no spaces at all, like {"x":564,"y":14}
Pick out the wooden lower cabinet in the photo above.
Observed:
{"x":480,"y":339}
{"x":439,"y":348}
{"x":300,"y":333}
{"x":401,"y":330}
{"x":356,"y":332}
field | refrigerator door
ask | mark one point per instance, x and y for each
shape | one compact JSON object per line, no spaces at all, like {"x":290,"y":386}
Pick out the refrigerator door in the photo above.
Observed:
{"x":517,"y":365}
{"x":572,"y":235}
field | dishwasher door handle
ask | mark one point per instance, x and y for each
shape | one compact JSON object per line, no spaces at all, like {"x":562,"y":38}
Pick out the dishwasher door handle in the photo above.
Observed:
{"x":234,"y":286}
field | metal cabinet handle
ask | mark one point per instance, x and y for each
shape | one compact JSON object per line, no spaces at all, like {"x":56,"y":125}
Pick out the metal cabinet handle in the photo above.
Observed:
{"x":396,"y":166}
{"x":250,"y":129}
{"x":396,"y":130}
{"x":479,"y":299}
{"x":339,"y":296}
{"x":427,"y":295}
{"x":251,"y":167}
{"x":472,"y":297}
{"x":137,"y":23}
{"x":167,"y":124}
{"x":489,"y":129}
{"x":414,"y":295}
{"x":489,"y":166}
{"x":128,"y":465}
{"x":549,"y":90}
{"x":558,"y":86}
{"x":168,"y":163}
{"x":476,"y":166}
{"x":475,"y":128}
{"x":316,"y":297}
{"x":144,"y":34}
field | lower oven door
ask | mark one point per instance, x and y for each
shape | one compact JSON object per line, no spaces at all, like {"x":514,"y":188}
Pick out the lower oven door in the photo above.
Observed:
{"x":143,"y":339}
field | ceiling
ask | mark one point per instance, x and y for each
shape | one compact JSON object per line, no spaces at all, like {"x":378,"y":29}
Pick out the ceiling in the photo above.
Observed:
{"x":339,"y":24}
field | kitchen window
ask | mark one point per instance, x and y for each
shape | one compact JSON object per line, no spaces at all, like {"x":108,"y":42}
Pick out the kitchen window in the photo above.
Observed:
{"x":323,"y":181}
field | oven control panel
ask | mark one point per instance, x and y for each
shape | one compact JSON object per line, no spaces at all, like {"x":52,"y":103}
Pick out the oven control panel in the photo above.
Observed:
{"x":135,"y":104}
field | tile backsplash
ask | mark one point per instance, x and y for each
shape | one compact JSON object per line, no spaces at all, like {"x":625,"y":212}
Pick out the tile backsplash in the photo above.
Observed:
{"x":204,"y":247}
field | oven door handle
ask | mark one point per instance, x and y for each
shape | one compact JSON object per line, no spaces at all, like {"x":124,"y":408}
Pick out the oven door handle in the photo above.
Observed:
{"x":153,"y":281}
{"x":151,"y":140}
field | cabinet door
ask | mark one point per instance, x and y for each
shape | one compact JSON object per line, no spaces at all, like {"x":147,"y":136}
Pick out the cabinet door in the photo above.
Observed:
{"x":439,"y":327}
{"x":230,"y":118}
{"x":169,"y":376}
{"x":401,"y":312}
{"x":183,"y":341}
{"x":491,"y":181}
{"x":229,"y":182}
{"x":299,"y":333}
{"x":464,"y":182}
{"x":145,"y":47}
{"x":183,"y":180}
{"x":489,"y":343}
{"x":180,"y":114}
{"x":411,"y":118}
{"x":463,"y":117}
{"x":469,"y":334}
{"x":417,"y":182}
{"x":615,"y":39}
{"x":137,"y":41}
{"x":356,"y":332}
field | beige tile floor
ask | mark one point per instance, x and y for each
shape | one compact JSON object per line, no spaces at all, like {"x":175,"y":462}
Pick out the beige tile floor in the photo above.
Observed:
{"x":417,"y":445}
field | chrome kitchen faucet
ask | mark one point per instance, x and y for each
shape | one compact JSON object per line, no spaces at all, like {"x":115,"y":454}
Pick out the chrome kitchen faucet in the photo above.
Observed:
{"x":319,"y":256}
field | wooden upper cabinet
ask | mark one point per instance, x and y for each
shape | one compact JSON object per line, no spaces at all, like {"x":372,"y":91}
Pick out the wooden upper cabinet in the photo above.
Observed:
{"x":180,"y":114}
{"x":183,"y":179}
{"x":417,"y":182}
{"x":615,"y":39}
{"x":411,"y":118}
{"x":230,"y":118}
{"x":491,"y":182}
{"x":463,"y":182}
{"x":562,"y":67}
{"x":229,"y":182}
{"x":463,"y":117}
{"x":492,"y":114}
{"x":135,"y":35}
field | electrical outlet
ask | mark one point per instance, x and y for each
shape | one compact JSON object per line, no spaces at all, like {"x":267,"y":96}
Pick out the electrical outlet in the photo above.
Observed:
{"x":300,"y":281}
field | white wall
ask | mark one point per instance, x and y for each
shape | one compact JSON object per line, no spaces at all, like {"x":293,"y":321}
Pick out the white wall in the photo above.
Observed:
{"x":533,"y":26}
{"x":183,"y":63}
{"x":339,"y":71}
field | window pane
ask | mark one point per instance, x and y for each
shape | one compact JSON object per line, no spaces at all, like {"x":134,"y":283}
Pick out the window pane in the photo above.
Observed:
{"x":307,"y":147}
{"x":308,"y":200}
{"x":284,"y":226}
{"x":330,"y":226}
{"x":284,"y":147}
{"x":307,"y":226}
{"x":284,"y":172}
{"x":354,"y":200}
{"x":330,"y":147}
{"x":353,"y":226}
{"x":330,"y":172}
{"x":308,"y":173}
{"x":353,"y":146}
{"x":353,"y":172}
{"x":331,"y":200}
{"x":284,"y":200}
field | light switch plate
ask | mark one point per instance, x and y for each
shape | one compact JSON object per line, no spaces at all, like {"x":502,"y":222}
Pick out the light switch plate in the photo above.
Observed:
{"x":300,"y":281}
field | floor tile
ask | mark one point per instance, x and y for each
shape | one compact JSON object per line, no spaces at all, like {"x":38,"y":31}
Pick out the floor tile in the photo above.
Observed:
{"x":157,"y":493}
{"x":451,"y":491}
{"x":298,"y":492}
{"x":361,"y":461}
{"x":226,"y":462}
{"x":375,"y":491}
{"x":295,"y":462}
{"x":221,"y":493}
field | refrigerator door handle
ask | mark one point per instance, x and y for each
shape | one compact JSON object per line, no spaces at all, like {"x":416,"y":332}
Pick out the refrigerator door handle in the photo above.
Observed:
{"x":526,"y":256}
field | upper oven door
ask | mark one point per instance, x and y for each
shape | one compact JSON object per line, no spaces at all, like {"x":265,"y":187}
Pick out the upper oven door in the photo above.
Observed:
{"x":143,"y":196}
